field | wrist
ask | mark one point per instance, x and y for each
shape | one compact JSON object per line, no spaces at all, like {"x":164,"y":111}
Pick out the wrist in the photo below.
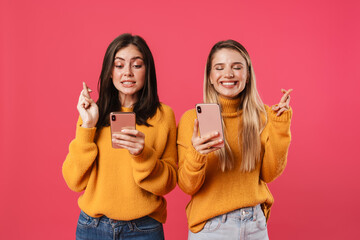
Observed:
{"x":87,"y":125}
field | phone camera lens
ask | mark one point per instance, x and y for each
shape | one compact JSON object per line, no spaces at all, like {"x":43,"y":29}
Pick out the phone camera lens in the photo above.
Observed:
{"x":198,"y":109}
{"x":113,"y":118}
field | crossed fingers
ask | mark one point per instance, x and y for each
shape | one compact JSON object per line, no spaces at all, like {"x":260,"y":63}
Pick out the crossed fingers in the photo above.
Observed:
{"x":85,"y":100}
{"x":284,"y":103}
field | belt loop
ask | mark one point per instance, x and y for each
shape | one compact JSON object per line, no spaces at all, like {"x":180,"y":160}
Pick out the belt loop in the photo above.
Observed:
{"x":96,"y":221}
{"x":223,"y":219}
{"x":130,"y":225}
{"x":254,"y":213}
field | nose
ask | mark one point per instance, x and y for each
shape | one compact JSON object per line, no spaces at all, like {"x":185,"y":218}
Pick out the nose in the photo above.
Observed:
{"x":128,"y":70}
{"x":229,"y":73}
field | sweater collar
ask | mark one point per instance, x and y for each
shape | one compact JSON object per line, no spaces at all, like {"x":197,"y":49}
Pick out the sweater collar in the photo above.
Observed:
{"x":229,"y":107}
{"x":125,"y":109}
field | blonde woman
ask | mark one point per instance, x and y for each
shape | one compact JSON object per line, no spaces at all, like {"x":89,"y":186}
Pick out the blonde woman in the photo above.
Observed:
{"x":229,"y":195}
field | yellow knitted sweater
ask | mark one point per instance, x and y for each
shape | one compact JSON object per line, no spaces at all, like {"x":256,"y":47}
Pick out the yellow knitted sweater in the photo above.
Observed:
{"x":214,"y":192}
{"x":117,"y":184}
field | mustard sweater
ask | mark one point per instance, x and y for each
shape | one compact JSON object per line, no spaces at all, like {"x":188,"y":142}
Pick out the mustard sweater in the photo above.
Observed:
{"x":214,"y":192}
{"x":117,"y":184}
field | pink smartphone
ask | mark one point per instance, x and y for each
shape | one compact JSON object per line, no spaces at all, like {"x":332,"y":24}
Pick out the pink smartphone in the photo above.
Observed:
{"x":121,"y":120}
{"x":209,"y":118}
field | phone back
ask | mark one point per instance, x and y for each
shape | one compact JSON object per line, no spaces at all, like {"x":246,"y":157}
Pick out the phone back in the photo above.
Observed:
{"x":121,"y":120}
{"x":209,"y":117}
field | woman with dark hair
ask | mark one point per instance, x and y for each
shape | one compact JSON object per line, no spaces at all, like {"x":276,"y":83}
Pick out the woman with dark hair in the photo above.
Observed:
{"x":123,"y":187}
{"x":229,"y":195}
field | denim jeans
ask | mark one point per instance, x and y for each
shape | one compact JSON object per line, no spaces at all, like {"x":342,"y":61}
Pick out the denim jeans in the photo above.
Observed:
{"x":241,"y":224}
{"x":103,"y":228}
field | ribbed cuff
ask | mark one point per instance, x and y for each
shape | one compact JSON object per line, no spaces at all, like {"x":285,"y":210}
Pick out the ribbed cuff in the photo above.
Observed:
{"x":284,"y":117}
{"x":145,"y":161}
{"x":85,"y":135}
{"x":195,"y":159}
{"x":146,"y":154}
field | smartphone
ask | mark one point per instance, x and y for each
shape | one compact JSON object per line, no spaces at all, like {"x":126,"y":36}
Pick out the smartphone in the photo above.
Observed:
{"x":209,"y":117}
{"x":121,"y":120}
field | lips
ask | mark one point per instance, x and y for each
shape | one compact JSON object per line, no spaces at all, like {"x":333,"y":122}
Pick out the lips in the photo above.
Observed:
{"x":128,"y":83}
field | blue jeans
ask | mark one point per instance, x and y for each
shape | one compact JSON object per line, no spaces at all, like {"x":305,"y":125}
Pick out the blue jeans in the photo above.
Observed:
{"x":244,"y":223}
{"x":103,"y":228}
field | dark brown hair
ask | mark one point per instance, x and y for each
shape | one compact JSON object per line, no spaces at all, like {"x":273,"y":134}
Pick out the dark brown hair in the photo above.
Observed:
{"x":148,"y":100}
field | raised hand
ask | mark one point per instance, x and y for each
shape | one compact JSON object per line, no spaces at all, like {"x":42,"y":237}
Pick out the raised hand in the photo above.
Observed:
{"x":283,"y":105}
{"x":88,"y":110}
{"x":130,"y":139}
{"x":205,"y":144}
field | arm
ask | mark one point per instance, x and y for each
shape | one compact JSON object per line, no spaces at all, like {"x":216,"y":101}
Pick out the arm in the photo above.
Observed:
{"x":82,"y":150}
{"x":192,"y":164}
{"x":156,"y":171}
{"x":79,"y":161}
{"x":275,"y":139}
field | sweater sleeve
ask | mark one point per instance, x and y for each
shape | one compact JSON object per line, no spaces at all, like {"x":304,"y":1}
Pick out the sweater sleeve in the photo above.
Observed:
{"x":79,"y":161}
{"x":192,"y":164}
{"x":153,"y":171}
{"x":277,"y":139}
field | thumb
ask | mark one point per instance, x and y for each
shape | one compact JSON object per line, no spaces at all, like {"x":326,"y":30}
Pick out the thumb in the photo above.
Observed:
{"x":196,"y":128}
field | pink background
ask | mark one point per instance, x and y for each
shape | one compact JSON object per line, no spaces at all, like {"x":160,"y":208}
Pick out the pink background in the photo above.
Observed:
{"x":47,"y":48}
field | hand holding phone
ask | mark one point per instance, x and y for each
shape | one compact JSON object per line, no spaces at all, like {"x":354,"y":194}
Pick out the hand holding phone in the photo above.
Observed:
{"x":209,"y":125}
{"x":123,"y":132}
{"x":120,"y":121}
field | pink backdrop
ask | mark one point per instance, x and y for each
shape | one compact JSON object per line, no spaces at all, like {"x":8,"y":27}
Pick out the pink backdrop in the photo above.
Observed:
{"x":47,"y":48}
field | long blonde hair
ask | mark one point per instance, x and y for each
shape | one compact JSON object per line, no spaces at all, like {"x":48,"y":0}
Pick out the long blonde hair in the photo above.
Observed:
{"x":253,"y":110}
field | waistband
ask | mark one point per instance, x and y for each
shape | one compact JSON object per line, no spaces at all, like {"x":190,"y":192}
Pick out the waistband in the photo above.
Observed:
{"x":114,"y":223}
{"x":247,"y":213}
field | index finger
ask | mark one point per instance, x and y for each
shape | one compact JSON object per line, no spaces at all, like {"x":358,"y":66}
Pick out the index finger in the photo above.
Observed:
{"x":86,"y":90}
{"x":286,"y":94}
{"x":133,"y":132}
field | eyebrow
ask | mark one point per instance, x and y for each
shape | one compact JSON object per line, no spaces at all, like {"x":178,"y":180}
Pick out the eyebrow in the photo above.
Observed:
{"x":231,"y":63}
{"x":134,"y":58}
